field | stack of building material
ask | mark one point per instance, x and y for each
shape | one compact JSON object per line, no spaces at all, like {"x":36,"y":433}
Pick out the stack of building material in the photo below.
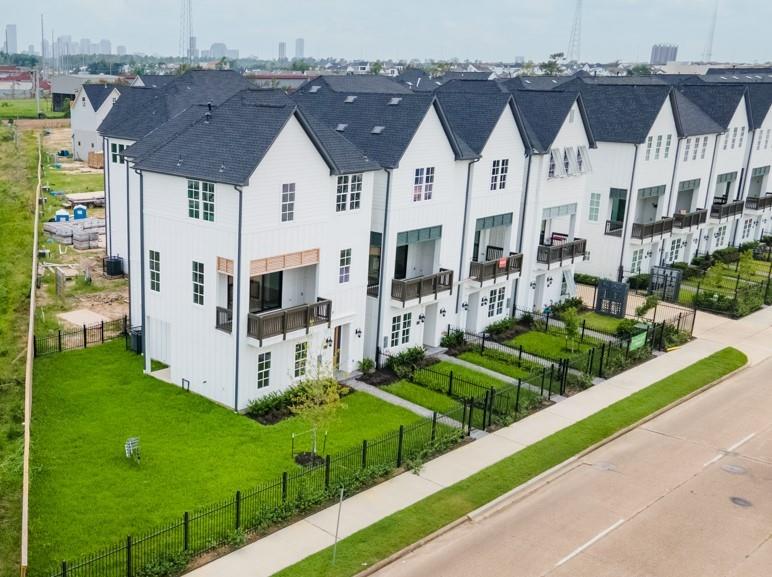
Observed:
{"x":96,"y":159}
{"x":81,"y":234}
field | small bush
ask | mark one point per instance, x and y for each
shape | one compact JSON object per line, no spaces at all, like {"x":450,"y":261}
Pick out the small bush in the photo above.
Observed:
{"x":627,"y":329}
{"x":570,"y":303}
{"x":405,"y":363}
{"x":586,"y":279}
{"x":526,"y":319}
{"x":167,"y":565}
{"x":274,"y":401}
{"x":749,"y":246}
{"x":726,"y":255}
{"x":366,"y":366}
{"x":453,"y":340}
{"x":501,"y":327}
{"x":703,"y":262}
{"x":639,"y":281}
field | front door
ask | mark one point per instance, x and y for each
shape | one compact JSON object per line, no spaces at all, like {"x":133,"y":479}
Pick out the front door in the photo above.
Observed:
{"x":400,"y":264}
{"x":336,"y":348}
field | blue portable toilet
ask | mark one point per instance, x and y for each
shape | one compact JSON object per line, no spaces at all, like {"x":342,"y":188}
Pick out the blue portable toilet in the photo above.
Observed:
{"x":62,"y":215}
{"x":79,"y":212}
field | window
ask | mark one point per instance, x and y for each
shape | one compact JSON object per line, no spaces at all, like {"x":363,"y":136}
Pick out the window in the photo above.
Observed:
{"x":423,"y":184}
{"x":635,"y":267}
{"x":499,"y":174}
{"x":758,"y":142}
{"x":155,"y":271}
{"x":649,"y":142}
{"x":747,"y":225}
{"x":668,"y":141}
{"x":696,"y":148}
{"x":400,"y":329}
{"x":721,"y":235}
{"x":742,"y":137}
{"x":198,"y":283}
{"x":658,"y":148}
{"x":552,"y":166}
{"x":349,"y":194}
{"x":263,"y":370}
{"x":594,"y":212}
{"x":686,"y":149}
{"x":194,"y":199}
{"x":766,"y":139}
{"x":288,"y":202}
{"x":356,"y":192}
{"x":301,"y":359}
{"x":704,"y":146}
{"x":579,"y":160}
{"x":675,"y":250}
{"x":496,"y":302}
{"x":344,"y":269}
{"x":341,"y":197}
{"x":207,"y":200}
{"x":566,"y":163}
{"x":734,"y":137}
{"x":115,"y":153}
{"x":726,"y":139}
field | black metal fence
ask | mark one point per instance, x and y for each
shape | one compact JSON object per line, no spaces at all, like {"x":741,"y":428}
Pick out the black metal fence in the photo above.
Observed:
{"x":80,"y":338}
{"x":272,"y":502}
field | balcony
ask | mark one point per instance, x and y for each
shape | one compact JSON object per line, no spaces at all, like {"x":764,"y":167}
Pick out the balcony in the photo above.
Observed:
{"x":422,"y":287}
{"x":759,"y":203}
{"x":281,"y":322}
{"x":560,"y":250}
{"x":648,"y":230}
{"x":690,"y":219}
{"x":722,"y":210}
{"x":224,"y":319}
{"x":614,"y":227}
{"x":494,"y":269}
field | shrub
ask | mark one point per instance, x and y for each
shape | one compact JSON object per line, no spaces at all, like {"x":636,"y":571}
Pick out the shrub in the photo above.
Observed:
{"x":166,"y":565}
{"x":749,"y":246}
{"x":639,"y":281}
{"x":726,"y":255}
{"x":275,"y":401}
{"x":405,"y":363}
{"x":453,"y":340}
{"x":703,"y":262}
{"x":626,"y":329}
{"x":575,"y":303}
{"x":648,"y":304}
{"x":366,"y":366}
{"x":526,"y":319}
{"x":586,"y":279}
{"x":502,"y":326}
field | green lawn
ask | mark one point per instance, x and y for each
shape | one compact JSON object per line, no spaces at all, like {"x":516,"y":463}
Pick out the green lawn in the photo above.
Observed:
{"x":496,"y":361}
{"x":68,"y":182}
{"x":419,"y":395}
{"x":599,"y":322}
{"x":548,"y":345}
{"x":85,"y":493}
{"x":25,"y":108}
{"x":445,"y":367}
{"x":399,"y":530}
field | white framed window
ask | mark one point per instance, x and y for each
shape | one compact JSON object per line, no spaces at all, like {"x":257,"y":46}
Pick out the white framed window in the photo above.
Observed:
{"x":721,"y":235}
{"x":400,"y":329}
{"x":263,"y":370}
{"x":579,"y":160}
{"x":207,"y":200}
{"x":341,"y":196}
{"x":344,"y":267}
{"x":355,"y":198}
{"x":675,"y":250}
{"x":194,"y":199}
{"x":649,"y":142}
{"x":704,"y":146}
{"x":552,"y":167}
{"x":496,"y":302}
{"x":115,"y":153}
{"x":747,"y":225}
{"x":766,"y":139}
{"x":658,"y":147}
{"x":668,"y":141}
{"x":499,"y":172}
{"x":566,"y":163}
{"x":758,"y":142}
{"x":288,"y":202}
{"x":423,"y":184}
{"x":594,"y":211}
{"x":742,"y":137}
{"x":687,"y":146}
{"x":301,"y":359}
{"x":155,"y":270}
{"x":696,"y":148}
{"x":198,"y":283}
{"x":734,"y":137}
{"x":726,"y":139}
{"x":635,"y":266}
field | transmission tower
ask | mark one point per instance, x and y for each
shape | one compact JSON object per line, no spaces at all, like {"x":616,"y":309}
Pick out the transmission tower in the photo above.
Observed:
{"x":707,"y":56}
{"x":186,"y":29}
{"x":575,"y":40}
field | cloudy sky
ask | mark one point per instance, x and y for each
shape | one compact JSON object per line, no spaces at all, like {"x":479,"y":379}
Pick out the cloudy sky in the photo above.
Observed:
{"x":439,"y":29}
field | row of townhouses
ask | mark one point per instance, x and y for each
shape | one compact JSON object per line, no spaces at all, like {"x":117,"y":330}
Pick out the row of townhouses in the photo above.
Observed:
{"x":264,"y":233}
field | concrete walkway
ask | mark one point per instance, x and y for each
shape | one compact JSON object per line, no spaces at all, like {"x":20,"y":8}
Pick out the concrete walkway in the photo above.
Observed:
{"x":262,"y":558}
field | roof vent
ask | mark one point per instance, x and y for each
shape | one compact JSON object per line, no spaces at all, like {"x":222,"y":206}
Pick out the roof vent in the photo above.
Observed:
{"x":314,"y":89}
{"x":209,"y":105}
{"x":179,"y":160}
{"x":222,"y":167}
{"x":341,"y":127}
{"x":349,"y":99}
{"x":527,"y":81}
{"x":207,"y":117}
{"x":395,"y":100}
{"x":377,"y":129}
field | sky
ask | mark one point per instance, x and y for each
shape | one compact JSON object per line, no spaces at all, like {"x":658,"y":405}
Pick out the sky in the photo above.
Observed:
{"x":488,"y":30}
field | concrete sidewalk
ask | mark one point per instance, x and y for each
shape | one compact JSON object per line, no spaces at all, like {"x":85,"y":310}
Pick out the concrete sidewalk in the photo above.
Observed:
{"x":262,"y":558}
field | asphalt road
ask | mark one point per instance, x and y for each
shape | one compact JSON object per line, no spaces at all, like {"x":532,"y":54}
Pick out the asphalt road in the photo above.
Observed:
{"x":687,"y":494}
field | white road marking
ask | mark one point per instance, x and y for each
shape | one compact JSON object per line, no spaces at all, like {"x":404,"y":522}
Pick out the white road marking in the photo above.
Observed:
{"x":724,"y":452}
{"x":589,"y":543}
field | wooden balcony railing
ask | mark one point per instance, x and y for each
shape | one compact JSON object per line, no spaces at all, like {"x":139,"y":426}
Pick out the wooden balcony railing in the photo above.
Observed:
{"x":614,"y":227}
{"x":404,"y":290}
{"x":759,"y":202}
{"x":690,"y":219}
{"x":559,"y":250}
{"x":725,"y":210}
{"x":283,"y":321}
{"x":224,"y":319}
{"x":501,"y":267}
{"x":643,"y":231}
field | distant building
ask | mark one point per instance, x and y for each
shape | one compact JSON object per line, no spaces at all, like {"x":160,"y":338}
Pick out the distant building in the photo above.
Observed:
{"x":218,"y":50}
{"x":193,"y":48}
{"x":11,"y":46}
{"x":105,"y":47}
{"x":663,"y":53}
{"x":120,"y":50}
{"x":300,"y":48}
{"x":282,"y":51}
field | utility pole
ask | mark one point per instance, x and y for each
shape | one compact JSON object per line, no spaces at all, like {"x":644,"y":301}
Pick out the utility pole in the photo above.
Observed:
{"x":708,"y":54}
{"x":575,"y":40}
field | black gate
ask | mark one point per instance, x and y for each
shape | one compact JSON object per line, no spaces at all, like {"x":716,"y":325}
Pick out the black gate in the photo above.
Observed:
{"x":665,"y":283}
{"x":611,"y":298}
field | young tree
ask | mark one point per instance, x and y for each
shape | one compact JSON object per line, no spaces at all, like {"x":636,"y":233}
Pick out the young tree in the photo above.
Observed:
{"x":650,"y":303}
{"x":570,"y":320}
{"x":714,"y":276}
{"x":317,"y":402}
{"x":745,"y":266}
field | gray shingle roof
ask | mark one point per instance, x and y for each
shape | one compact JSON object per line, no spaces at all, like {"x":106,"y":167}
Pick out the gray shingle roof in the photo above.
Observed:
{"x":693,"y":120}
{"x":227,"y":144}
{"x":360,"y":84}
{"x":760,"y":97}
{"x":543,"y":114}
{"x":473,"y":116}
{"x":97,"y":93}
{"x":537,"y":82}
{"x":156,"y":80}
{"x":719,"y":102}
{"x":417,"y":79}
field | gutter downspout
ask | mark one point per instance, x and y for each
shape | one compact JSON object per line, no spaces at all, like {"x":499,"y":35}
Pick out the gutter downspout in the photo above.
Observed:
{"x":384,"y":237}
{"x":521,"y":232}
{"x":711,"y":191}
{"x":106,"y":173}
{"x":237,"y":307}
{"x":621,"y":270}
{"x":128,"y":239}
{"x":463,"y":232}
{"x":142,"y":265}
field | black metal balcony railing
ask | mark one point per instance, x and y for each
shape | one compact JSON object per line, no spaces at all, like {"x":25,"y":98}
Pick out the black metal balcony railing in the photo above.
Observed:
{"x":283,"y":321}
{"x":224,"y":319}
{"x":758,"y":202}
{"x":643,"y":231}
{"x":725,"y":210}
{"x":559,"y":250}
{"x":690,"y":219}
{"x":404,"y":290}
{"x":493,"y":269}
{"x":614,"y":227}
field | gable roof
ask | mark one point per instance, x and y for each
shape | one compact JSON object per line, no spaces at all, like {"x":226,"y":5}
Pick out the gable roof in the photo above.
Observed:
{"x":360,"y":84}
{"x":97,"y":93}
{"x":156,"y":80}
{"x":417,"y":79}
{"x":543,"y":114}
{"x":718,"y":101}
{"x":473,"y":116}
{"x":692,"y":120}
{"x":760,"y":98}
{"x":226,"y":144}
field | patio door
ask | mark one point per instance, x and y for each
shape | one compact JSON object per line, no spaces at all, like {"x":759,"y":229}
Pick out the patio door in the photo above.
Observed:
{"x":265,"y":292}
{"x":336,"y":338}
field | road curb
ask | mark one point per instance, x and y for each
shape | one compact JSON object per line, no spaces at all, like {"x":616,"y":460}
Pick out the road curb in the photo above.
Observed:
{"x":539,"y":481}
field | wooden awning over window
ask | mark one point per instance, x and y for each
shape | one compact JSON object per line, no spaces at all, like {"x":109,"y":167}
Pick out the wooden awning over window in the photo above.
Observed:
{"x":225,"y":265}
{"x":284,"y":262}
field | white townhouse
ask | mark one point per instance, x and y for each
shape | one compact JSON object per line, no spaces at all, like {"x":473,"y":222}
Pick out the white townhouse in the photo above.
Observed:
{"x":757,"y":192}
{"x":91,"y":105}
{"x":254,"y":227}
{"x":138,"y":112}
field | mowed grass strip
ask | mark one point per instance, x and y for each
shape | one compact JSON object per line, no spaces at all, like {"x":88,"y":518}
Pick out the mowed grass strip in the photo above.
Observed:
{"x":419,"y":395}
{"x":599,"y":322}
{"x":499,"y":362}
{"x":86,"y":494}
{"x":548,"y":345}
{"x":26,"y":108}
{"x":399,"y":530}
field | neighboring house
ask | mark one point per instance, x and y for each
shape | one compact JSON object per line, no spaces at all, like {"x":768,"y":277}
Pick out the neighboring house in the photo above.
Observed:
{"x":153,"y":80}
{"x":91,"y":105}
{"x":65,"y":86}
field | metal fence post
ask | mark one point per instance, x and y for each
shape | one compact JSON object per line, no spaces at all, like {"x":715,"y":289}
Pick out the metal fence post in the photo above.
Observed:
{"x":492,"y":401}
{"x":60,"y":340}
{"x":327,"y":472}
{"x":284,"y":486}
{"x":482,"y":344}
{"x":552,"y":375}
{"x":434,"y":425}
{"x":602,"y":355}
{"x":469,"y":426}
{"x":399,"y":446}
{"x":486,"y":400}
{"x":85,"y":336}
{"x":238,"y":510}
{"x":125,"y":324}
{"x":520,"y":357}
{"x":185,"y":531}
{"x":364,"y":453}
{"x":543,"y":374}
{"x":547,"y":323}
{"x":129,"y":568}
{"x":450,"y":383}
{"x":102,"y":330}
{"x":584,"y":325}
{"x":64,"y":568}
{"x":517,"y":397}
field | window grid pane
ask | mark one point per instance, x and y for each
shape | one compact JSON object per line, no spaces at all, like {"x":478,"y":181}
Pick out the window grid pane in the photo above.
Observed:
{"x":155,"y":271}
{"x":194,"y":199}
{"x":263,"y":370}
{"x":503,"y":174}
{"x":495,"y":174}
{"x":207,"y":199}
{"x":356,"y":192}
{"x":344,"y":270}
{"x":301,"y":357}
{"x":418,"y":184}
{"x":198,"y":283}
{"x":288,"y":202}
{"x":407,"y":320}
{"x":342,"y":194}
